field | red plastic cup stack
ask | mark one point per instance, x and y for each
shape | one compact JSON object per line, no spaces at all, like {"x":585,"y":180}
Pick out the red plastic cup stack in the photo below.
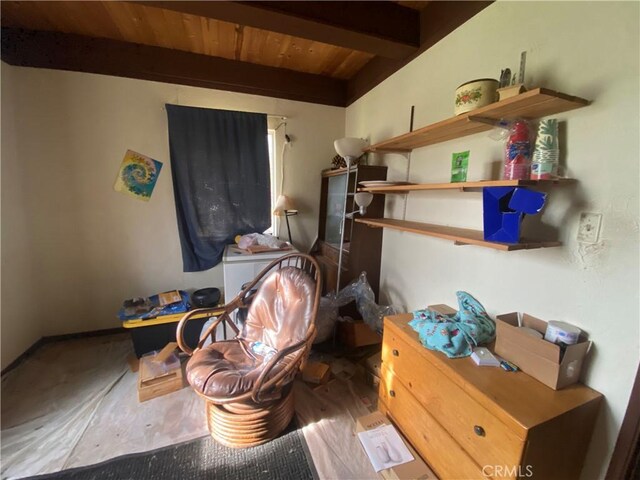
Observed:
{"x":517,"y":160}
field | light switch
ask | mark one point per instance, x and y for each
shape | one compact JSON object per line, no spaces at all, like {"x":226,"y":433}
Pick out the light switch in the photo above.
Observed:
{"x":589,"y":227}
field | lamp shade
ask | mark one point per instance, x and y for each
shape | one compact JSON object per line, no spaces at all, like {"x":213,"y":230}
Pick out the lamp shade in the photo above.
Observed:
{"x":363,"y":199}
{"x":283,"y":205}
{"x":349,"y":147}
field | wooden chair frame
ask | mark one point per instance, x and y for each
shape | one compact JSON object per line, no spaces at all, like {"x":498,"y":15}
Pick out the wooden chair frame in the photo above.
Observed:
{"x":298,"y":351}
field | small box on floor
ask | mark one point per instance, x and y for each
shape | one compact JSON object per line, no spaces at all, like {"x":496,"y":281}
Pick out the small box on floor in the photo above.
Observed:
{"x":316,"y":372}
{"x":357,"y":334}
{"x":157,"y":378}
{"x":414,"y":470}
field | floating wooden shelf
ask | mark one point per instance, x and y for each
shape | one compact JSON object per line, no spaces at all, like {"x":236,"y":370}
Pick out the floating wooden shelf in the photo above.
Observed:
{"x":332,"y":172}
{"x":461,"y":236}
{"x":412,"y":187}
{"x":533,"y":104}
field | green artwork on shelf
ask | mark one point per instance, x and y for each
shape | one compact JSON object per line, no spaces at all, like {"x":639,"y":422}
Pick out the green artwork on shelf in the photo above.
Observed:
{"x":459,"y":165}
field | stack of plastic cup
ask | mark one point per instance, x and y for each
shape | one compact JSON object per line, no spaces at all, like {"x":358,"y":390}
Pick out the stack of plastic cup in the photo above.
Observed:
{"x":546,"y":151}
{"x":517,"y":159}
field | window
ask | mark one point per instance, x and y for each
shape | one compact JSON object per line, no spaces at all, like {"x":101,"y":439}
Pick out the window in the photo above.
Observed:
{"x":271,"y":139}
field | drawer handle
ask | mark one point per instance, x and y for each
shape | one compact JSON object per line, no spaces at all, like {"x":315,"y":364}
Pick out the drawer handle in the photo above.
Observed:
{"x":479,"y":430}
{"x":392,"y":393}
{"x":395,"y":353}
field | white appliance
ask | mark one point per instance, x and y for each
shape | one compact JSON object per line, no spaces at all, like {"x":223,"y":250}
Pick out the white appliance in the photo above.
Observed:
{"x":240,"y":267}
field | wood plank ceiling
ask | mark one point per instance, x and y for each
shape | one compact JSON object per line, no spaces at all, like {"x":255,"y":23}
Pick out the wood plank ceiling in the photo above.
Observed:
{"x":321,"y":52}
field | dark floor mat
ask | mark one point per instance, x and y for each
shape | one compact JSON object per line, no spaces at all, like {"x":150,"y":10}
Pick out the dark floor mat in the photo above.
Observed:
{"x":286,"y":457}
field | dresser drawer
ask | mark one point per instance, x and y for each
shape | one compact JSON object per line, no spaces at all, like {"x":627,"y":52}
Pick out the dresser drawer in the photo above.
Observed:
{"x":447,"y":459}
{"x":483,"y":436}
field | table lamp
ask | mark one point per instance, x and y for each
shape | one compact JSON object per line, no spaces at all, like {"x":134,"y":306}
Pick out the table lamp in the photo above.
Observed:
{"x":284,"y":206}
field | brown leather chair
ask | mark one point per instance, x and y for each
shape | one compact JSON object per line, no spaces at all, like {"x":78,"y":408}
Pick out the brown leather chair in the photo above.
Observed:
{"x":246,"y":382}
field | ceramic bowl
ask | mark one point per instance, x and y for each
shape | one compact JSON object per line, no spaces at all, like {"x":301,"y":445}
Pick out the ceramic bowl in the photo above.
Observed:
{"x":475,"y":94}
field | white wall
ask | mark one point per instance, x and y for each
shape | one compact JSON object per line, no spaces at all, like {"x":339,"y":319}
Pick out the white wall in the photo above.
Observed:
{"x":588,"y":49}
{"x":19,"y":321}
{"x":90,"y":246}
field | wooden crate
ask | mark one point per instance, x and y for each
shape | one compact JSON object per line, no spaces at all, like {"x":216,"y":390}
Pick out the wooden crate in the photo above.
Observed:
{"x":150,"y":386}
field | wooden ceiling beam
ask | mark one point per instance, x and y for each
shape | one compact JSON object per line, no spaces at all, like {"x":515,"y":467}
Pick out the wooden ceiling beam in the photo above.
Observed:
{"x":437,"y":20}
{"x":110,"y":57}
{"x":381,"y":28}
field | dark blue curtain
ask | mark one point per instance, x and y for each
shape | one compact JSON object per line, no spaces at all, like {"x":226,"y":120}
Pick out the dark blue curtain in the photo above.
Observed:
{"x":221,"y":183}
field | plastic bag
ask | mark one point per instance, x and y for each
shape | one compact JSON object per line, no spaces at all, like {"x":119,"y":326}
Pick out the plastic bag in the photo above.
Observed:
{"x":326,"y":318}
{"x":151,"y":307}
{"x":260,"y":239}
{"x":205,"y":327}
{"x":360,"y":291}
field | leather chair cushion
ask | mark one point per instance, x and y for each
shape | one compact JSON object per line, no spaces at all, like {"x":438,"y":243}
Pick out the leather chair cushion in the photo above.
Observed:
{"x":282,"y":309}
{"x":226,"y":369}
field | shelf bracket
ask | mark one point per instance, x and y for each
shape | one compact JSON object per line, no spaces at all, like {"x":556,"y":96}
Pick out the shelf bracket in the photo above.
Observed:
{"x":489,"y":121}
{"x":406,"y":153}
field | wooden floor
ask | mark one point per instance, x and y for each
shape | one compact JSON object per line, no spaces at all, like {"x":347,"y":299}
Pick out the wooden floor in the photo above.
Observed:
{"x":74,"y":403}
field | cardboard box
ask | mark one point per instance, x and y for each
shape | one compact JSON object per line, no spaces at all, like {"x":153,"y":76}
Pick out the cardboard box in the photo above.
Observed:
{"x":371,"y":380}
{"x":373,"y":363}
{"x":357,"y":334}
{"x":415,"y":470}
{"x":372,"y":370}
{"x":158,"y":378}
{"x":316,"y":372}
{"x":535,"y":356}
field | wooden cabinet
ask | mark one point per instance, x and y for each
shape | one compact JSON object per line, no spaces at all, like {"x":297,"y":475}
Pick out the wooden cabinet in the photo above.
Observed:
{"x":533,"y":104}
{"x":478,"y":422}
{"x":362,"y":245}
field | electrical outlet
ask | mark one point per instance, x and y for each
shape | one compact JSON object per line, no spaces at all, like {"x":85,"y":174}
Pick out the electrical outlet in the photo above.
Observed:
{"x":589,"y":227}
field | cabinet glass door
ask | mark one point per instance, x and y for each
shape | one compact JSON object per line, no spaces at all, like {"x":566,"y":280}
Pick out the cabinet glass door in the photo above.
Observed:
{"x":335,"y":209}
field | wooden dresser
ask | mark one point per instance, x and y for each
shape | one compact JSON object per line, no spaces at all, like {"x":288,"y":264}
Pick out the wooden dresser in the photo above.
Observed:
{"x":482,"y":422}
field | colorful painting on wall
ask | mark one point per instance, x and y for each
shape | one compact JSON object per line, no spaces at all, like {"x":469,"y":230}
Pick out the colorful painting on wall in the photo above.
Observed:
{"x":138,"y":175}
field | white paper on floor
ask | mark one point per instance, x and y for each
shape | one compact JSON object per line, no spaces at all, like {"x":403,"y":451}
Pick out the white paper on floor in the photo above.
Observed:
{"x":384,"y":447}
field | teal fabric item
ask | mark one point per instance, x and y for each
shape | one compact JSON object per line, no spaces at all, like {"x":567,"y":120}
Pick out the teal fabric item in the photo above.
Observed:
{"x":455,"y":335}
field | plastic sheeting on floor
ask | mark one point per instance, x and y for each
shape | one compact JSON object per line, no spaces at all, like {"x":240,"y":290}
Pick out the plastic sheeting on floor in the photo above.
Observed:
{"x":48,"y":401}
{"x":123,"y":425}
{"x":329,"y":416}
{"x":75,"y":403}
